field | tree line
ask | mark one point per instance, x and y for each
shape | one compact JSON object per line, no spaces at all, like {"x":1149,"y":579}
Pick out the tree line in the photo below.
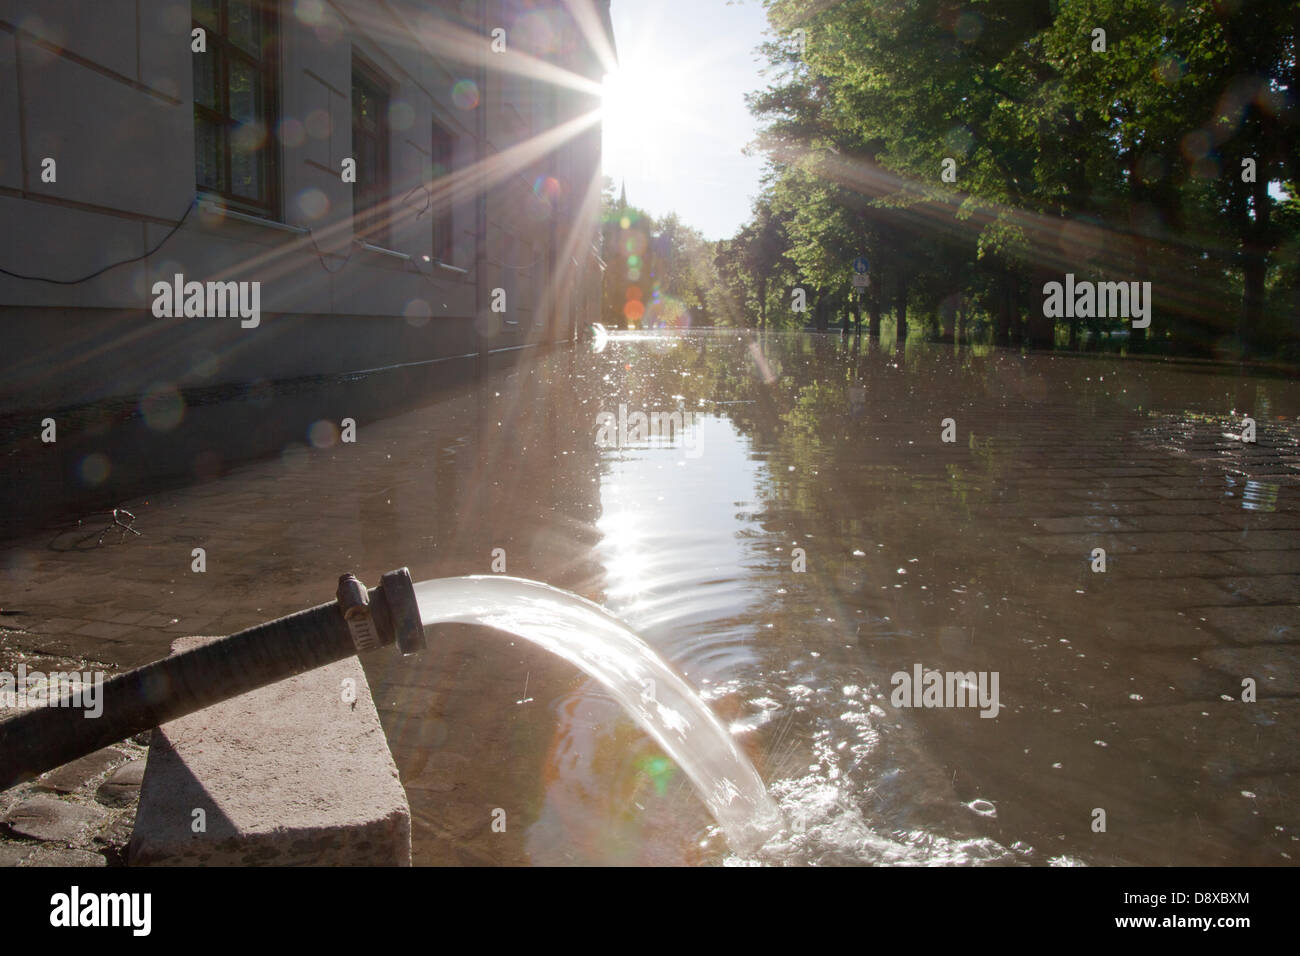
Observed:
{"x":976,"y":152}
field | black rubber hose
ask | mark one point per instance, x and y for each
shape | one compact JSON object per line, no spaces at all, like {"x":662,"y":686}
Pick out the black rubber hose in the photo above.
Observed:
{"x":43,"y":738}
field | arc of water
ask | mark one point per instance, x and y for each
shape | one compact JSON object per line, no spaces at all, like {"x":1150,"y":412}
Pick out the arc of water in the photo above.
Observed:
{"x":661,"y":702}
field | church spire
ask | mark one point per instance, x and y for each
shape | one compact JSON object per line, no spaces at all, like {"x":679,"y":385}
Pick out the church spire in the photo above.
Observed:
{"x":622,"y":197}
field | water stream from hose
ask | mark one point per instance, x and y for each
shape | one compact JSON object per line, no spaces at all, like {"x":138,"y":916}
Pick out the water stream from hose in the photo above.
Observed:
{"x":664,"y":705}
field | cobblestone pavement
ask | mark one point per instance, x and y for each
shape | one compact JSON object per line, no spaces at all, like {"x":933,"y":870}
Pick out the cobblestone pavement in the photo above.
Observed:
{"x":80,"y":814}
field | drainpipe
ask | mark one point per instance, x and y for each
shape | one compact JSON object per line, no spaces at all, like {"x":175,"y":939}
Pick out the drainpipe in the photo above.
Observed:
{"x":47,"y":737}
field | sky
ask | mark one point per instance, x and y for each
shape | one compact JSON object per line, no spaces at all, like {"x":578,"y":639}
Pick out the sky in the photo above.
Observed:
{"x":675,"y":119}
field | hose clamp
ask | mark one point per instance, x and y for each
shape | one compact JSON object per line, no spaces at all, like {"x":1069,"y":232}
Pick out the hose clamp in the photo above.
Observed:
{"x":354,"y":603}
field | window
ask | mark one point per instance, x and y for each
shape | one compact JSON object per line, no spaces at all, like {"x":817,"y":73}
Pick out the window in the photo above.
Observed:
{"x":235,"y":103}
{"x":370,"y":194}
{"x":441,"y":158}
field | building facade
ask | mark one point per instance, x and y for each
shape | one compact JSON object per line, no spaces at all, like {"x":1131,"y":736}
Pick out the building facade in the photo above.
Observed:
{"x":219,"y":192}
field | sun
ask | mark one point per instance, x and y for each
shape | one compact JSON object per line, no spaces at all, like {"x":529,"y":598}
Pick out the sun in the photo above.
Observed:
{"x":616,"y":93}
{"x":644,"y":108}
{"x":625,"y":104}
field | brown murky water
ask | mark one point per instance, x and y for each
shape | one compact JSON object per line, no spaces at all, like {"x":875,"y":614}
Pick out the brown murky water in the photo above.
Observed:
{"x":1119,"y":690}
{"x":806,"y":538}
{"x":969,"y":556}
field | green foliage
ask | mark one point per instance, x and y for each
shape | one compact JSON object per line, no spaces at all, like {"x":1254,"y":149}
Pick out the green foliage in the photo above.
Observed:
{"x":1123,"y":164}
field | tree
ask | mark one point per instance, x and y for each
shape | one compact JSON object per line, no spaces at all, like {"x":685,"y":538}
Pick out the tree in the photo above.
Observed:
{"x":976,"y":150}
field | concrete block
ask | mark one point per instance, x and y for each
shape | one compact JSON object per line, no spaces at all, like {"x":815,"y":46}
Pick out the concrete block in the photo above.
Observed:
{"x":289,"y":775}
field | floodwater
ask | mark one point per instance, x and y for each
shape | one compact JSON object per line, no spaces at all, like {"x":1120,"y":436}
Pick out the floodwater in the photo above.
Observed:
{"x":803,"y":542}
{"x":973,"y":556}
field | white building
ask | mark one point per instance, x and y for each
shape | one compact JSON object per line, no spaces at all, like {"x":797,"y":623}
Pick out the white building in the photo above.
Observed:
{"x":215,"y":139}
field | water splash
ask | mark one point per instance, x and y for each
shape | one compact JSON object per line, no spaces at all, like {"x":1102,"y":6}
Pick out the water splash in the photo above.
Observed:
{"x":665,"y":706}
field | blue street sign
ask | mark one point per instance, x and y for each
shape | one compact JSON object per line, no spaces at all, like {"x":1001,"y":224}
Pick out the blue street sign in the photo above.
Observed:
{"x":860,"y":265}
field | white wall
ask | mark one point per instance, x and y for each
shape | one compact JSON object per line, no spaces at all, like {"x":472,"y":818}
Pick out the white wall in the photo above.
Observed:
{"x":105,"y":89}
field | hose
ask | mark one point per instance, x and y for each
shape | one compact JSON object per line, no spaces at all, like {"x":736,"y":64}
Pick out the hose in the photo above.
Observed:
{"x":43,"y":738}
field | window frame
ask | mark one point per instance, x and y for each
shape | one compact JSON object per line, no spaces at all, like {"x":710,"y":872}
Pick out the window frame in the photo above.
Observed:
{"x":267,"y":71}
{"x":371,"y":221}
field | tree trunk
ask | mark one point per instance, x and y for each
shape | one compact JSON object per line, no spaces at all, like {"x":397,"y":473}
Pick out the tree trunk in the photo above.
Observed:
{"x":900,"y":310}
{"x":1255,"y":250}
{"x":1139,"y":195}
{"x":948,"y":320}
{"x":1004,"y":308}
{"x":1254,"y":269}
{"x":1017,"y":327}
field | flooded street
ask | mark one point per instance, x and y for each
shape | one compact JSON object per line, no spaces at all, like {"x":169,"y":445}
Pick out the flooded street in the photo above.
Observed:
{"x":800,"y":549}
